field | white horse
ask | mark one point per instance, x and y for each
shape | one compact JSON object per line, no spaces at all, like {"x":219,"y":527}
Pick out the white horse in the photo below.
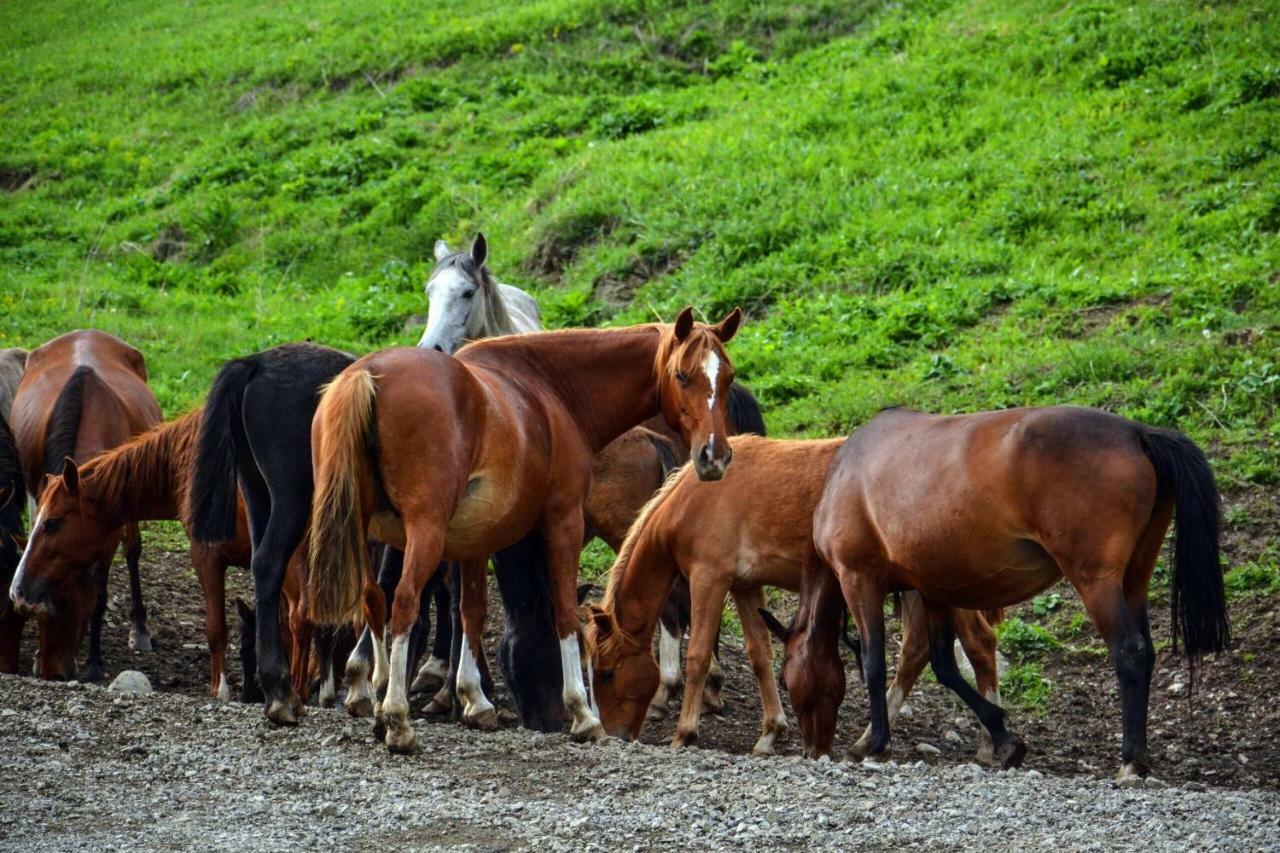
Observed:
{"x":467,"y":303}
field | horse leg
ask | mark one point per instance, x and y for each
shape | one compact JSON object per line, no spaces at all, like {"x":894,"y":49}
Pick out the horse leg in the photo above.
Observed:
{"x":1008,"y":748}
{"x":211,"y":572}
{"x":712,"y":696}
{"x":866,"y":603}
{"x":425,"y":544}
{"x":11,"y":624}
{"x":911,"y":662}
{"x":759,"y":650}
{"x":359,"y":701}
{"x":707,"y":601}
{"x":102,"y":575}
{"x":477,"y":711}
{"x":671,"y":627}
{"x":435,"y":668}
{"x":442,"y":703}
{"x":139,"y":638}
{"x":562,"y":531}
{"x":324,"y":640}
{"x":979,"y":644}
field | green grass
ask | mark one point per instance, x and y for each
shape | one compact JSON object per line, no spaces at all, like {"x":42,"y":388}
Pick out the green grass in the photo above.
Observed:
{"x":1025,"y":641}
{"x":954,"y":205}
{"x":1024,"y":687}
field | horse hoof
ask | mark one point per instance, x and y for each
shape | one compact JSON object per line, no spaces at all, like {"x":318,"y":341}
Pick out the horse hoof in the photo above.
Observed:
{"x":360,"y":706}
{"x":94,"y":673}
{"x":1011,"y":753}
{"x":880,"y":759}
{"x":379,"y":729}
{"x":140,"y":642}
{"x":763,"y":748}
{"x":713,"y":704}
{"x":684,"y":739}
{"x":484,"y":721}
{"x":507,"y":717}
{"x":859,"y":750}
{"x":426,"y":682}
{"x":400,"y":737}
{"x":1133,"y":772}
{"x":282,"y":713}
{"x":593,"y":732}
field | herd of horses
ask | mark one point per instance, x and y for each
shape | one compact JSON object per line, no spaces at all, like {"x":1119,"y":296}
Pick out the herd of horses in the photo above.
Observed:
{"x":364,"y":493}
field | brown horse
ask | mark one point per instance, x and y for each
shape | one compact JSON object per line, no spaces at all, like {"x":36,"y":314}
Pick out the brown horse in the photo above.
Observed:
{"x":82,"y":393}
{"x":463,"y":456}
{"x":146,"y":479}
{"x":747,"y":532}
{"x":987,"y":510}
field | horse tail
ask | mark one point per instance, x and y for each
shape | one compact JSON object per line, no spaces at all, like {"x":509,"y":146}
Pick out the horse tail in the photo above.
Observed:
{"x":744,"y":411}
{"x":338,"y":551}
{"x":1198,"y":601}
{"x":666,"y":451}
{"x":64,"y":424}
{"x":211,"y":500}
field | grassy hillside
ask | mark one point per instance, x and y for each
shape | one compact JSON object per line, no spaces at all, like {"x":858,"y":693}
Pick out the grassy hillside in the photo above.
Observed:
{"x":955,"y":205}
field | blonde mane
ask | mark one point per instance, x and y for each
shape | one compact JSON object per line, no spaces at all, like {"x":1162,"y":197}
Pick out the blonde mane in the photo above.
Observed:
{"x":638,"y":527}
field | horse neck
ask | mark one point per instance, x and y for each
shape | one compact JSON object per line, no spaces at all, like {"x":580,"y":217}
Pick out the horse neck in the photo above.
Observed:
{"x":146,"y":479}
{"x":492,"y":319}
{"x":821,"y":607}
{"x":604,"y":378}
{"x":643,"y":573}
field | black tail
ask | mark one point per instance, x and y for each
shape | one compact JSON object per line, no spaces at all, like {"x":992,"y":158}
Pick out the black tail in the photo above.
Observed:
{"x":64,"y":423}
{"x":744,"y":411}
{"x":212,"y":500}
{"x":1198,"y":602}
{"x":666,"y":451}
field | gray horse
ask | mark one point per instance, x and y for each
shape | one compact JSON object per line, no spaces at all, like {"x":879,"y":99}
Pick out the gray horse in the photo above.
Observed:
{"x":13,"y":361}
{"x":467,"y":303}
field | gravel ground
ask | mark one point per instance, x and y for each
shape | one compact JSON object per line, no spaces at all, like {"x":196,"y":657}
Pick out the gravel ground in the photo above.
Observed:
{"x":83,"y":768}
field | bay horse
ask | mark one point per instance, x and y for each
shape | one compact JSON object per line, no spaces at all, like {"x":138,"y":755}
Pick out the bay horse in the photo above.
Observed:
{"x":752,"y":530}
{"x":986,"y":510}
{"x":466,"y":303}
{"x":82,"y":393}
{"x":461,"y":456}
{"x":146,"y":479}
{"x":11,"y":545}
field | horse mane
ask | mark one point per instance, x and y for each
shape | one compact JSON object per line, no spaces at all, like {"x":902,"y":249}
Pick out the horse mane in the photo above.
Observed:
{"x":744,"y":410}
{"x":64,"y":423}
{"x":157,"y":462}
{"x":701,"y":342}
{"x":638,"y":528}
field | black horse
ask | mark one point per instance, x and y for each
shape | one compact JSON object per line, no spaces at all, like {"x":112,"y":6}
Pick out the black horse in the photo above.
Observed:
{"x":11,"y":492}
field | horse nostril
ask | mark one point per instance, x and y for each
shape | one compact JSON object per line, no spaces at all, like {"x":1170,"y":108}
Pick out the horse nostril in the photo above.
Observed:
{"x":437,"y":348}
{"x":704,"y":455}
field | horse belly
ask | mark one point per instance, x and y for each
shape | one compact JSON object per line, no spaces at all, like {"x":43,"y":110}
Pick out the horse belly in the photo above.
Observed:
{"x":977,"y":578}
{"x":488,"y":518}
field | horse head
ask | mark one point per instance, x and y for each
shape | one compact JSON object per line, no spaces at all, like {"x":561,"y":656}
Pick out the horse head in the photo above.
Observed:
{"x":694,"y":375}
{"x":624,"y":673}
{"x":463,"y":299}
{"x":814,"y":678}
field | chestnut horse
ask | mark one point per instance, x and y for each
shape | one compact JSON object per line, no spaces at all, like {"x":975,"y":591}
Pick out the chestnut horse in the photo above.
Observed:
{"x":11,"y":545}
{"x":82,"y":393}
{"x":463,"y":456}
{"x":986,"y":510}
{"x":750,"y":531}
{"x":146,"y":479}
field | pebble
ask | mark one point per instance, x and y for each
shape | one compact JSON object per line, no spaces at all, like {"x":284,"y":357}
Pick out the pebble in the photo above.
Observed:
{"x":131,"y":682}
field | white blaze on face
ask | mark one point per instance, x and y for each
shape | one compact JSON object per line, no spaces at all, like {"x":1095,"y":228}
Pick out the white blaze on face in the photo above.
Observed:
{"x":711,"y":365}
{"x":26,"y":554}
{"x":448,"y":311}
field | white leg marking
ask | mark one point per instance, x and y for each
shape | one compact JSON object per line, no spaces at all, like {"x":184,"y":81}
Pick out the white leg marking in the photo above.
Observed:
{"x":397,"y":702}
{"x":895,"y":700}
{"x":993,"y":696}
{"x":470,"y":689}
{"x":711,"y":364}
{"x":379,"y":662}
{"x":328,"y":690}
{"x":435,"y":667}
{"x":16,"y":586}
{"x":668,"y":657}
{"x":575,"y":694}
{"x":224,"y":691}
{"x":358,"y":686}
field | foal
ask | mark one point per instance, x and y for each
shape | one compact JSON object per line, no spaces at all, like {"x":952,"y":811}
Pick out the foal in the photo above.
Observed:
{"x":82,"y":393}
{"x":462,"y":456}
{"x":752,"y":530}
{"x":987,"y":510}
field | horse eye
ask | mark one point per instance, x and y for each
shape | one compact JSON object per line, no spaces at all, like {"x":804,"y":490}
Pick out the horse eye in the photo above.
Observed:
{"x":682,"y":377}
{"x":51,"y":525}
{"x":470,"y":294}
{"x":606,"y":676}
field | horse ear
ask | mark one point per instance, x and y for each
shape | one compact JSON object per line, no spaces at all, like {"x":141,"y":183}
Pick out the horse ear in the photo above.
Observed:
{"x":584,"y":590}
{"x":442,"y":250}
{"x":728,"y":327}
{"x":480,"y":249}
{"x":71,"y":476}
{"x":780,"y":631}
{"x":603,"y":620}
{"x":684,"y":323}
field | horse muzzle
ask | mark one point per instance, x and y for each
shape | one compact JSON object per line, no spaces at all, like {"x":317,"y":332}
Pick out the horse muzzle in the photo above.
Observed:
{"x":33,"y":599}
{"x":711,"y":460}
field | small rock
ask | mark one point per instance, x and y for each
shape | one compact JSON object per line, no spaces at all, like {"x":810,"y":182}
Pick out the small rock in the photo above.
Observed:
{"x":131,"y":682}
{"x":950,"y":736}
{"x":928,"y":749}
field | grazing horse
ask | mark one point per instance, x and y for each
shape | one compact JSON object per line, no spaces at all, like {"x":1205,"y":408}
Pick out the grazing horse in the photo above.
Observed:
{"x":986,"y":510}
{"x":145,"y":479}
{"x":752,"y":530}
{"x":13,"y":361}
{"x":466,"y":303}
{"x":11,"y":545}
{"x":82,"y":393}
{"x":256,"y":431}
{"x":462,"y":456}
